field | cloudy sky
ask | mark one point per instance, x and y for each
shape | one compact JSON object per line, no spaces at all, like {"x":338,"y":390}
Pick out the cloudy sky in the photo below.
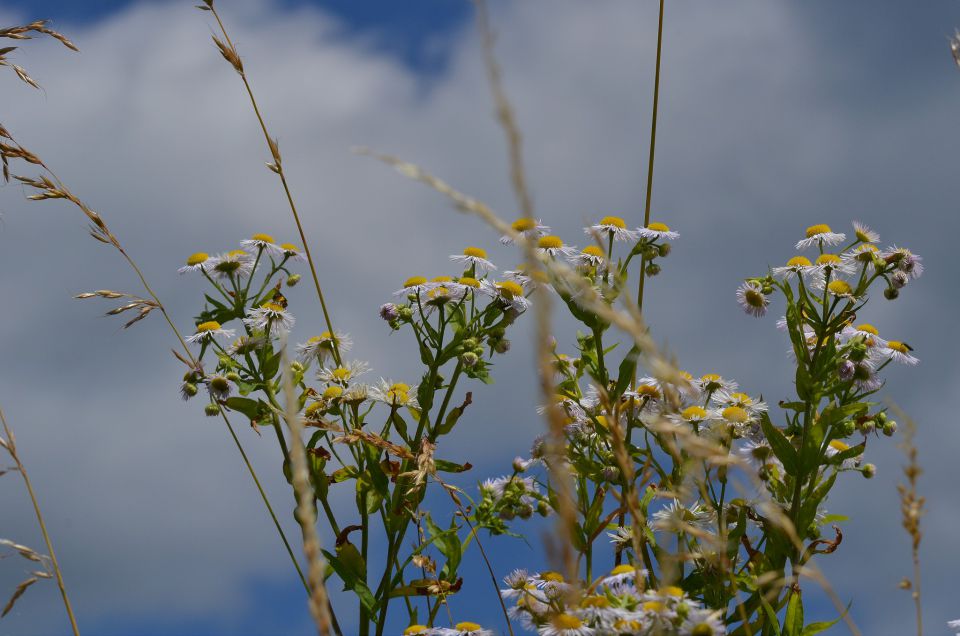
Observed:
{"x":774,"y":116}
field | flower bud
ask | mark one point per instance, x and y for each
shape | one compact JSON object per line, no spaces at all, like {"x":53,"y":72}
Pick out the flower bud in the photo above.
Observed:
{"x":889,"y":428}
{"x":293,"y":280}
{"x":899,"y":280}
{"x":525,"y":511}
{"x":880,"y":417}
{"x":233,"y":376}
{"x":502,"y":346}
{"x":406,"y":314}
{"x":469,"y":343}
{"x":653,"y":269}
{"x":389,"y":312}
{"x":219,"y":384}
{"x":846,"y":370}
{"x":858,"y":351}
{"x":664,"y":250}
{"x":868,"y":427}
{"x":767,"y":289}
{"x":469,"y":359}
{"x":891,"y":293}
{"x":543,"y":509}
{"x":611,"y":474}
{"x":650,"y":252}
{"x":188,"y":389}
{"x":869,"y":471}
{"x":296,"y":366}
{"x":848,"y":427}
{"x":507,"y":515}
{"x":211,"y":410}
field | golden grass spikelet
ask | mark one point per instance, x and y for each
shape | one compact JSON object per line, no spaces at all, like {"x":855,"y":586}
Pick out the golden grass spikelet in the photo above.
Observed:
{"x":229,"y":54}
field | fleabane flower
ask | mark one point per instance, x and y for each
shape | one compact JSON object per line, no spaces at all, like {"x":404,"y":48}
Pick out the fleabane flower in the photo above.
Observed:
{"x":209,"y":330}
{"x":245,"y":344}
{"x":474,"y":257}
{"x":728,"y":398}
{"x":657,"y":231}
{"x":612,"y":226}
{"x":869,"y":333}
{"x":237,"y":263}
{"x":691,"y":415}
{"x":564,"y":624}
{"x":463,"y":628}
{"x":833,"y":264}
{"x":820,"y":234}
{"x":263,"y":242}
{"x":703,"y":622}
{"x":864,"y":234}
{"x":270,"y":318}
{"x":796,"y":265}
{"x":710,"y":382}
{"x":840,"y":288}
{"x":344,"y":374}
{"x":508,"y":292}
{"x":292,"y":252}
{"x":395,"y":393}
{"x":900,"y":352}
{"x":318,"y":347}
{"x":907,"y":262}
{"x":621,"y":575}
{"x":195,"y":262}
{"x":417,"y":630}
{"x":835,"y":447}
{"x":413,"y":286}
{"x":553,"y":246}
{"x":676,"y":517}
{"x":529,"y":228}
{"x":591,"y":256}
{"x":751,"y":298}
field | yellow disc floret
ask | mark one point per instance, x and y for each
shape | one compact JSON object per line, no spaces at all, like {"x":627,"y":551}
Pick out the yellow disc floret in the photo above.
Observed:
{"x":441,"y":279}
{"x":840,"y":288}
{"x":695,"y":413}
{"x":839,"y":446}
{"x":210,"y":325}
{"x":626,"y":568}
{"x":671,"y":590}
{"x":415,"y":630}
{"x":653,"y":606}
{"x":656,"y":226}
{"x":476,"y":252}
{"x":820,"y":228}
{"x":615,"y":221}
{"x":896,"y":345}
{"x":648,"y":391}
{"x":341,"y":374}
{"x":332,"y":393}
{"x":469,"y":281}
{"x":868,"y":328}
{"x":289,"y":247}
{"x":413,"y":281}
{"x":467,"y":626}
{"x":741,"y":399}
{"x":799,"y":261}
{"x":566,"y":621}
{"x":524,"y":225}
{"x":735,"y":414}
{"x":264,"y":238}
{"x":196,"y":259}
{"x":595,"y":601}
{"x":831,"y":260}
{"x":274,"y":307}
{"x":552,"y":577}
{"x":510,"y":289}
{"x":550,"y":242}
{"x":593,"y":250}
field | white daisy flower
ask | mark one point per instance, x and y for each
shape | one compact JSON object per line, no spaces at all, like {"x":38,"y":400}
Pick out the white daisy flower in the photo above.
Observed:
{"x":703,"y":622}
{"x":553,"y":246}
{"x":463,"y":628}
{"x":758,"y":452}
{"x":564,"y":624}
{"x":835,"y":447}
{"x":474,"y":257}
{"x":591,"y":256}
{"x":516,"y":583}
{"x":195,"y":262}
{"x":798,"y":265}
{"x":413,"y":285}
{"x":751,"y":298}
{"x":622,"y":575}
{"x":343,"y":375}
{"x":270,"y":317}
{"x":820,"y":234}
{"x":237,"y":263}
{"x":906,"y":261}
{"x":612,"y":225}
{"x":865,"y":377}
{"x":263,"y":242}
{"x":209,"y":330}
{"x":727,"y":398}
{"x":656,"y":231}
{"x":318,"y":347}
{"x":507,"y":292}
{"x":549,"y":581}
{"x":839,"y":288}
{"x":899,"y":352}
{"x":691,"y":415}
{"x":710,"y":382}
{"x":418,"y":630}
{"x":676,"y":517}
{"x":871,"y":337}
{"x":621,"y":537}
{"x":529,"y":228}
{"x":292,"y":252}
{"x":441,"y":290}
{"x":218,"y":387}
{"x":862,"y":255}
{"x":395,"y":393}
{"x":864,"y":234}
{"x":245,"y":344}
{"x":833,"y":264}
{"x":737,"y":415}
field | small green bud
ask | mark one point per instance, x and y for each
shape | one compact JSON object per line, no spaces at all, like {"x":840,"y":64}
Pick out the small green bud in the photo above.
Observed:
{"x":469,"y":359}
{"x":469,"y":343}
{"x":543,"y":509}
{"x":502,"y":346}
{"x":890,"y":293}
{"x":889,"y":428}
{"x":651,"y":252}
{"x":868,"y":427}
{"x":211,"y":410}
{"x":189,"y":389}
{"x":767,"y":289}
{"x":525,"y":511}
{"x":499,"y":332}
{"x":293,"y":280}
{"x":858,"y":351}
{"x":406,"y":313}
{"x":664,"y":250}
{"x":507,"y":515}
{"x":412,"y":298}
{"x":869,"y":471}
{"x":296,"y":366}
{"x":233,"y":376}
{"x":848,"y":427}
{"x":653,"y":269}
{"x":219,"y":384}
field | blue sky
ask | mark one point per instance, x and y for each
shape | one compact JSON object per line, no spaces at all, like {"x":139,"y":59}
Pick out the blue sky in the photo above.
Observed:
{"x":774,"y":116}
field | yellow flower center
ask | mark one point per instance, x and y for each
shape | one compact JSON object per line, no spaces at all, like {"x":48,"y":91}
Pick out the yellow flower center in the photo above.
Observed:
{"x":332,"y":393}
{"x":828,"y":259}
{"x":815,"y":230}
{"x":710,"y":378}
{"x":694,"y":413}
{"x":510,"y":289}
{"x":626,"y":568}
{"x":341,"y":374}
{"x":414,"y":630}
{"x":896,"y":345}
{"x":735,"y":414}
{"x":615,"y":221}
{"x":397,"y":396}
{"x":566,"y":621}
{"x":701,"y":629}
{"x":868,"y":328}
{"x":289,"y":247}
{"x":658,"y":227}
{"x":602,"y":421}
{"x":196,"y":259}
{"x":550,"y":242}
{"x":441,"y":279}
{"x":840,"y":288}
{"x":626,"y":625}
{"x":236,"y":253}
{"x":653,"y":606}
{"x":467,"y":626}
{"x":754,"y":298}
{"x":839,"y":446}
{"x":741,"y":398}
{"x":552,"y":577}
{"x":476,"y":252}
{"x":274,"y":307}
{"x":593,"y":250}
{"x":399,"y":386}
{"x":595,"y":601}
{"x":211,"y":325}
{"x":468,"y":281}
{"x":671,"y":590}
{"x":265,"y":238}
{"x":524,"y":225}
{"x":648,"y":391}
{"x":799,"y":261}
{"x":413,"y":281}
{"x":314,"y":409}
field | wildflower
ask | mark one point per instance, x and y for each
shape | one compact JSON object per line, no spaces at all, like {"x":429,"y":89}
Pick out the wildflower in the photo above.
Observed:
{"x":675,"y":517}
{"x":318,"y":347}
{"x":565,"y":625}
{"x":955,"y":624}
{"x":726,"y":398}
{"x":416,"y":630}
{"x":621,"y":537}
{"x":612,"y":226}
{"x":703,"y":622}
{"x":413,"y":286}
{"x":463,"y":628}
{"x":906,"y":261}
{"x":840,"y":288}
{"x":507,"y":292}
{"x":591,"y":256}
{"x":796,"y":265}
{"x":516,"y":583}
{"x":821,"y":235}
{"x":206,"y":331}
{"x":474,"y":257}
{"x":867,"y":332}
{"x":395,"y":393}
{"x":527,"y":228}
{"x":218,"y":387}
{"x":864,"y":234}
{"x":344,"y":374}
{"x":232,"y":264}
{"x":553,"y":246}
{"x":195,"y":262}
{"x":355,"y":394}
{"x":863,"y":255}
{"x":752,"y":299}
{"x":263,"y":242}
{"x":735,"y":415}
{"x":899,"y":352}
{"x":711,"y":382}
{"x":244,"y":345}
{"x":833,"y":264}
{"x":270,"y":318}
{"x":292,"y":252}
{"x":691,"y":415}
{"x":655,"y":231}
{"x":621,"y":575}
{"x":835,"y":447}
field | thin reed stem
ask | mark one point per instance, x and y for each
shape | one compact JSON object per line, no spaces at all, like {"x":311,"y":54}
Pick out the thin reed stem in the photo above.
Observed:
{"x":11,"y":445}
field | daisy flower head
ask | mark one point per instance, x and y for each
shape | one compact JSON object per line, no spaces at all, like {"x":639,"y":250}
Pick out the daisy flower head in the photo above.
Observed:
{"x":244,"y":345}
{"x":710,"y":382}
{"x":864,"y":234}
{"x":207,"y":331}
{"x":691,"y":415}
{"x":834,"y":264}
{"x":736,"y":415}
{"x":342,"y":375}
{"x":516,"y":583}
{"x":195,"y":262}
{"x":549,"y":580}
{"x":270,"y":318}
{"x":676,"y":517}
{"x":508,"y":292}
{"x":263,"y":242}
{"x":866,"y":331}
{"x":292,"y":252}
{"x":591,"y":256}
{"x":751,"y":298}
{"x":622,"y":537}
{"x":552,"y":246}
{"x":835,"y":447}
{"x":862,"y":255}
{"x":463,"y":628}
{"x":474,"y":257}
{"x":703,"y":622}
{"x":821,"y":235}
{"x":798,"y":265}
{"x":417,"y":630}
{"x":840,"y":288}
{"x":612,"y":226}
{"x":218,"y":387}
{"x":725,"y":398}
{"x":657,"y":231}
{"x":530,"y":229}
{"x":757,"y":452}
{"x":318,"y":347}
{"x":441,"y":290}
{"x":395,"y":393}
{"x":622,"y":575}
{"x":900,"y":352}
{"x":564,"y":624}
{"x":906,"y":261}
{"x":413,"y":286}
{"x":237,"y":263}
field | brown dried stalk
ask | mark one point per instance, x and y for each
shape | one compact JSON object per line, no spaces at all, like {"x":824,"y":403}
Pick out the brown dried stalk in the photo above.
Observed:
{"x":911,"y":509}
{"x":10,"y":445}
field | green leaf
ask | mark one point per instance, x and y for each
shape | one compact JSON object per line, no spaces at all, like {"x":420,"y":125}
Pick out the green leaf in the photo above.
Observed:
{"x":449,"y":545}
{"x":452,"y":467}
{"x":351,"y":568}
{"x":625,"y":374}
{"x":771,"y":614}
{"x":821,"y":626}
{"x":250,"y":408}
{"x":781,"y":446}
{"x":271,"y":366}
{"x":793,"y":622}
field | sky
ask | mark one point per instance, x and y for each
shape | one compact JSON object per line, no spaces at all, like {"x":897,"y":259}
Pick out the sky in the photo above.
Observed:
{"x":774,"y":116}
